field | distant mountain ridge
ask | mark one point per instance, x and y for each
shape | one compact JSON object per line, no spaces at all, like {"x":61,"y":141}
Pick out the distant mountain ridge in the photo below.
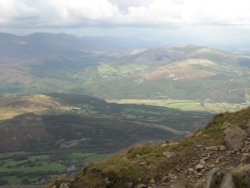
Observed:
{"x":97,"y":66}
{"x":48,"y":43}
{"x":192,"y":72}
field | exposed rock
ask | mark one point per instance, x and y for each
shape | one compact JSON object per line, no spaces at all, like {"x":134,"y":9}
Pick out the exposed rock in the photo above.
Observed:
{"x":141,"y":185}
{"x":245,"y":158}
{"x":227,"y":181}
{"x":242,"y":174}
{"x":199,"y":167}
{"x":164,"y":145}
{"x":225,"y":125}
{"x":248,"y":128}
{"x":217,"y":160}
{"x":221,"y":148}
{"x":168,"y":154}
{"x":64,"y":185}
{"x":173,"y":143}
{"x":199,"y":174}
{"x":152,"y":181}
{"x":216,"y":148}
{"x":107,"y":181}
{"x":190,"y":169}
{"x":212,"y":148}
{"x":164,"y":184}
{"x":199,"y":133}
{"x":143,"y":163}
{"x":189,"y":135}
{"x":202,"y":162}
{"x":234,"y":136}
{"x":129,"y":184}
{"x":211,"y":166}
{"x":178,"y":185}
{"x":214,"y":178}
{"x":207,"y":157}
{"x":199,"y":145}
{"x":165,"y":178}
{"x":200,"y":184}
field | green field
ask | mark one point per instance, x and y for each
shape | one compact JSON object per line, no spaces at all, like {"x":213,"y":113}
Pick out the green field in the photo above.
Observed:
{"x":86,"y":157}
{"x":186,"y":105}
{"x":29,"y":168}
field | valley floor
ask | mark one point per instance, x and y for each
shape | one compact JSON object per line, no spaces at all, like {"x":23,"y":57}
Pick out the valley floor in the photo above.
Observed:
{"x":186,"y":105}
{"x":37,"y":168}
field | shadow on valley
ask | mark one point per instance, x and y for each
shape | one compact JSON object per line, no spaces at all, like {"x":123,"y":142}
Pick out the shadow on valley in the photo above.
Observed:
{"x":58,"y":133}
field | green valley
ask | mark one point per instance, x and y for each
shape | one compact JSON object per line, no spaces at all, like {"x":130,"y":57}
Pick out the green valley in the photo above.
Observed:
{"x":186,"y":105}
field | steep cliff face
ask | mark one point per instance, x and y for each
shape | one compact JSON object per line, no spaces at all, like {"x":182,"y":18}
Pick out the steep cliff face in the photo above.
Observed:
{"x":217,"y":156}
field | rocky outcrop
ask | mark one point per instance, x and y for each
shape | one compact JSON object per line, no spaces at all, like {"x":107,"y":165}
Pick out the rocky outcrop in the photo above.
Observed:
{"x":168,"y":154}
{"x":219,"y":178}
{"x":227,"y":181}
{"x":241,"y":175}
{"x":214,"y":178}
{"x":234,"y":136}
{"x":238,"y":141}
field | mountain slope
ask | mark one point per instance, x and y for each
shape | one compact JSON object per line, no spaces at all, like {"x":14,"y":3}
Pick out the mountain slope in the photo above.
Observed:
{"x":52,"y":122}
{"x":216,"y":156}
{"x":35,"y":128}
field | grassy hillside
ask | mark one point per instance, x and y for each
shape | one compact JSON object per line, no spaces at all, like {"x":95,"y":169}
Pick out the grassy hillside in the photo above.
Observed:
{"x":13,"y":105}
{"x":223,"y":143}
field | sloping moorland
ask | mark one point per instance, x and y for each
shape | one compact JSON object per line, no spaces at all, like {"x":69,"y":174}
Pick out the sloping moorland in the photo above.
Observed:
{"x":45,"y":135}
{"x":215,"y":156}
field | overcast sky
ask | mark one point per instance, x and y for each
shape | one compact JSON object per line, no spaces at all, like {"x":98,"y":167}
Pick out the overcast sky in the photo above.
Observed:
{"x":204,"y":20}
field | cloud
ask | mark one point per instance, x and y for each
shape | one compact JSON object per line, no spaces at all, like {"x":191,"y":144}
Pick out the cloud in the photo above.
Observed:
{"x":185,"y":12}
{"x":55,"y":12}
{"x":160,"y":13}
{"x":124,"y":4}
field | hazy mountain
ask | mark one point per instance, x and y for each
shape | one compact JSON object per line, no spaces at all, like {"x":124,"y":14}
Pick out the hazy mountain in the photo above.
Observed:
{"x":45,"y":44}
{"x":63,"y":63}
{"x":192,"y":72}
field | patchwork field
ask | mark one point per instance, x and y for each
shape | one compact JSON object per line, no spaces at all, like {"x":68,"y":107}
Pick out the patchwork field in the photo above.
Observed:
{"x":34,"y":168}
{"x":186,"y":105}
